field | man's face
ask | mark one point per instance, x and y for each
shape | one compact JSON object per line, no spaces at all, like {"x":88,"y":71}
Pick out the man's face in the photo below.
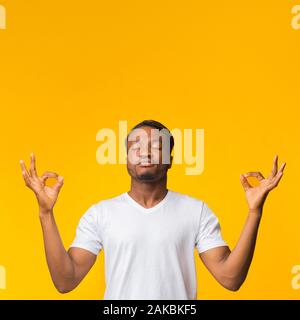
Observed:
{"x":148,"y":155}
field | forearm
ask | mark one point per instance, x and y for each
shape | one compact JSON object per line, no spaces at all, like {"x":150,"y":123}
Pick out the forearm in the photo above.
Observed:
{"x":237,"y":263}
{"x":59,"y":262}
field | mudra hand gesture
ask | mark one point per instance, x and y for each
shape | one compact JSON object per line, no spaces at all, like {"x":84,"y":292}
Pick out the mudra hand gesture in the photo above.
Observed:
{"x":46,"y":195}
{"x":257,"y":195}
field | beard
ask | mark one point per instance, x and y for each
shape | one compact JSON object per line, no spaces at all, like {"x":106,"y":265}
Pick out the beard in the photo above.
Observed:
{"x":147,"y":176}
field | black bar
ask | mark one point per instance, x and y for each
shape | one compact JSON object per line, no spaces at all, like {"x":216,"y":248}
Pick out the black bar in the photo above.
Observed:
{"x":151,"y":309}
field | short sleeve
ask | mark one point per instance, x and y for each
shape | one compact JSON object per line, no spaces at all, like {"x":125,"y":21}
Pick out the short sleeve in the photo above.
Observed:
{"x":209,"y":231}
{"x":87,"y":233}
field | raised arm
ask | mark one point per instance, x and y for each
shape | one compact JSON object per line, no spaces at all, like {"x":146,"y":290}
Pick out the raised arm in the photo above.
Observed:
{"x":67,"y":268}
{"x":230,"y":268}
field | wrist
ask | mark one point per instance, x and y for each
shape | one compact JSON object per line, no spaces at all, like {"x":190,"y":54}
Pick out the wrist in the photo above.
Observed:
{"x":45,"y":213}
{"x":257,"y":212}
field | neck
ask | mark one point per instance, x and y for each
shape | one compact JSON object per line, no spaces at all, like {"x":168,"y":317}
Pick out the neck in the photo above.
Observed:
{"x":148,"y":194}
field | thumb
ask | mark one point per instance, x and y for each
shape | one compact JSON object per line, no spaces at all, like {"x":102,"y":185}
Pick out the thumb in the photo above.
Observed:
{"x":59,"y":183}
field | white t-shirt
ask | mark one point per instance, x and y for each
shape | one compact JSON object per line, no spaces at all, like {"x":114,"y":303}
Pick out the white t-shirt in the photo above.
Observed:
{"x":149,"y":252}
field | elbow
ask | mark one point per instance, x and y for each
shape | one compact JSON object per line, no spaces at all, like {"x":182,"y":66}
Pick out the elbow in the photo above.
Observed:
{"x":63,"y":289}
{"x":234,"y":287}
{"x":232,"y":284}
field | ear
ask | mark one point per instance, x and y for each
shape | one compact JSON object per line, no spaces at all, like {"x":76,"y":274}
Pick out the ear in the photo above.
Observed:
{"x":171,"y":161}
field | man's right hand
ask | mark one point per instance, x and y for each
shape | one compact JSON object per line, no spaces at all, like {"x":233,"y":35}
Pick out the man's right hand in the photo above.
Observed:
{"x":45,"y":195}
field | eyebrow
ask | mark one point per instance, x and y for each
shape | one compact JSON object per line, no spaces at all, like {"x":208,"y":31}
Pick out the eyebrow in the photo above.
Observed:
{"x":138,"y":138}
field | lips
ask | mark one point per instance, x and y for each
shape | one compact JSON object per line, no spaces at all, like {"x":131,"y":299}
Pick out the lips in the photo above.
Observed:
{"x":146,"y":164}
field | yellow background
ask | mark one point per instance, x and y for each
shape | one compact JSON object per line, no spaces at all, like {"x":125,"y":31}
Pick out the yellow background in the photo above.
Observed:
{"x":70,"y":68}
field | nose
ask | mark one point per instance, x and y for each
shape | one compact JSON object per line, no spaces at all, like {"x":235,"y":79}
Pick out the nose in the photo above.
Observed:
{"x":145,"y":152}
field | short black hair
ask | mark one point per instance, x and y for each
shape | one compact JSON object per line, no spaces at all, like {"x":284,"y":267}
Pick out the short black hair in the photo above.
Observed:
{"x":153,"y":124}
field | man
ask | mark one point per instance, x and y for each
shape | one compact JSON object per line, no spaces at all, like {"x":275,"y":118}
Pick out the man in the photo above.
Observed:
{"x":149,"y":233}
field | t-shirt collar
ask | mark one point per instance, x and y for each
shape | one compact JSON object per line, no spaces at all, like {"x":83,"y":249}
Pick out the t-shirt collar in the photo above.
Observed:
{"x":154,"y":208}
